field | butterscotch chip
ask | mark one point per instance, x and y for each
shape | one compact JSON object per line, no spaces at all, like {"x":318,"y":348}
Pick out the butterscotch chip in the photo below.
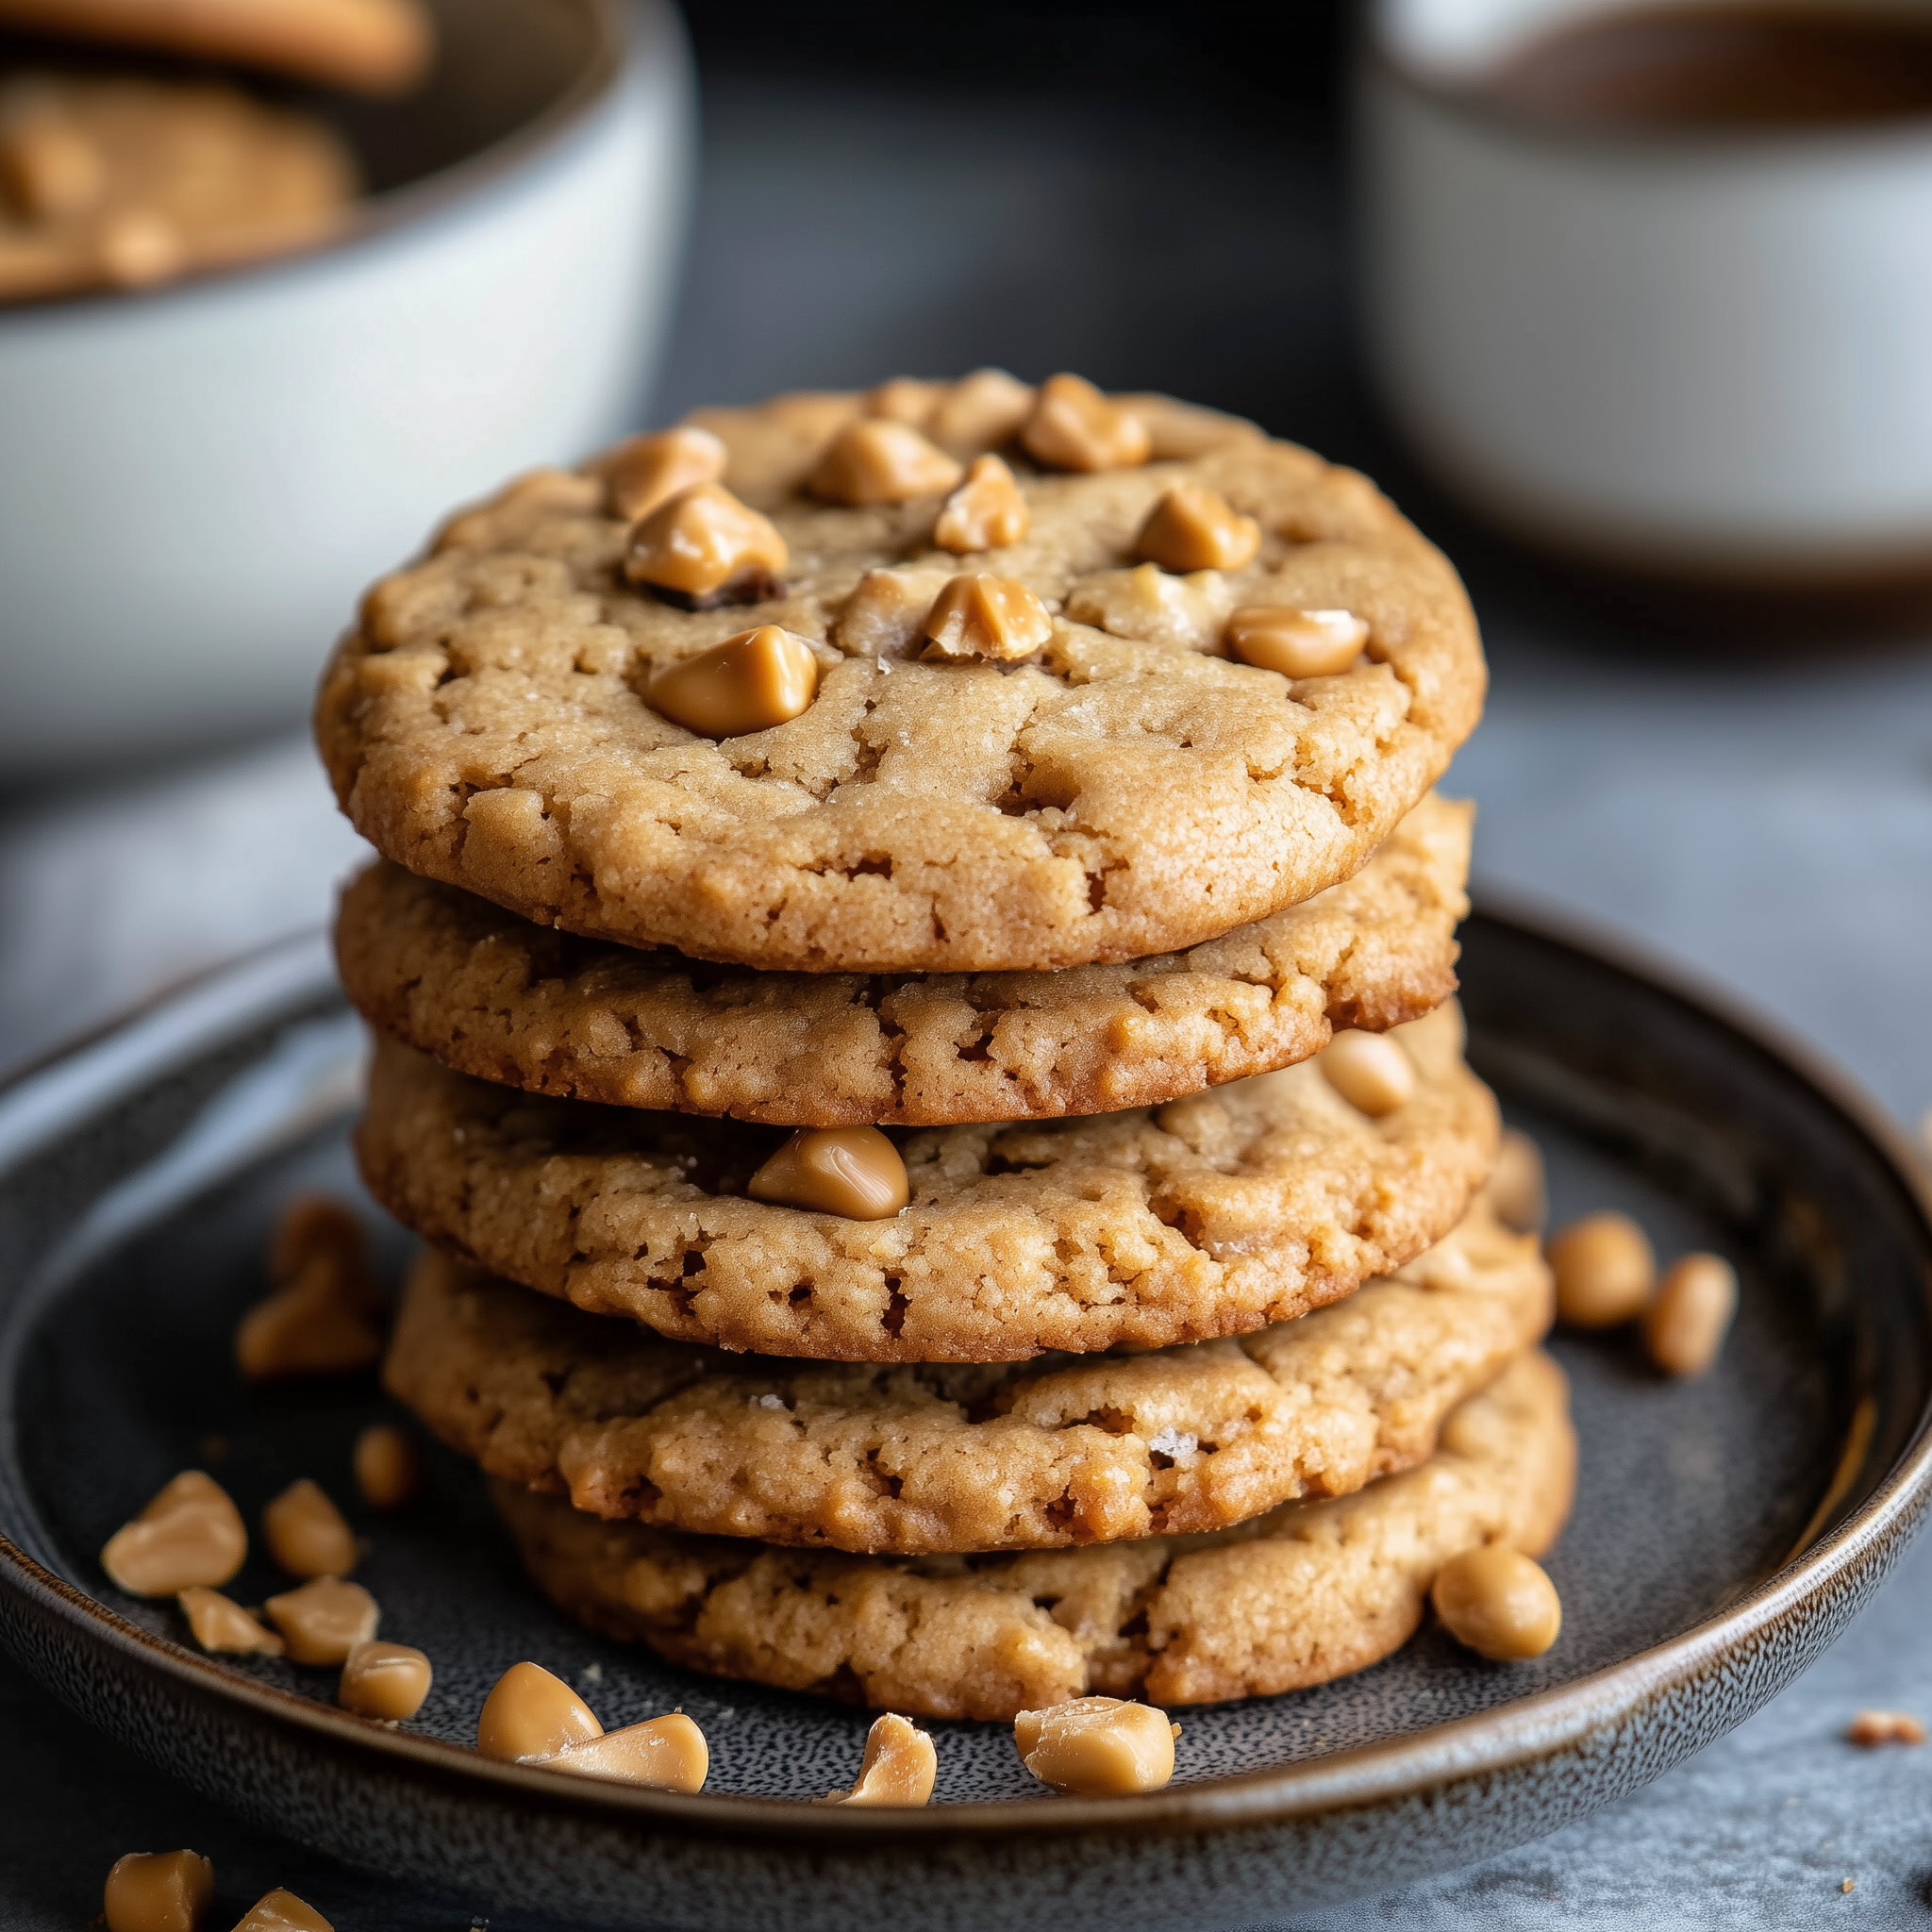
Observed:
{"x":979,"y":412}
{"x":701,"y":544}
{"x":389,"y":1470}
{"x":666,"y":1752}
{"x":324,"y":1619}
{"x":852,"y":1171}
{"x":158,"y":1892}
{"x":1101,"y":1747}
{"x":1873,"y":1727}
{"x":1606,"y":1271}
{"x":749,"y":683}
{"x":1369,"y":1070}
{"x":905,"y":399}
{"x":1074,"y":426}
{"x":649,"y":470}
{"x":986,"y":512}
{"x":388,"y":1681}
{"x":117,"y":182}
{"x":489,"y":995}
{"x":876,"y":461}
{"x":921,"y":1459}
{"x":1213,"y":1215}
{"x":1297,"y":643}
{"x":1195,"y":528}
{"x":282,"y":1912}
{"x":1684,"y":1327}
{"x":325,"y":1319}
{"x":1498,"y":1602}
{"x":191,"y":1533}
{"x":306,"y":1533}
{"x":1307,"y":1593}
{"x":531,"y":1714}
{"x":1115,"y":797}
{"x":900,"y":1765}
{"x":218,"y":1623}
{"x":980,"y":615}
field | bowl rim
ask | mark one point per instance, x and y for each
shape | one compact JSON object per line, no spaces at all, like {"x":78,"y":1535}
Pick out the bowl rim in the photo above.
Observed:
{"x":231,"y":997}
{"x":621,"y":40}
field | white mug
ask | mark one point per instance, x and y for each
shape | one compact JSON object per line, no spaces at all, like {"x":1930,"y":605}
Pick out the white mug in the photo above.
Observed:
{"x":1707,"y":355}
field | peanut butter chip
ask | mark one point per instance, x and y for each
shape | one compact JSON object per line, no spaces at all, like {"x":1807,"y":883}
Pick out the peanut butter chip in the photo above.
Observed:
{"x":1098,"y":1746}
{"x":531,"y":1715}
{"x":1499,"y":1603}
{"x":282,"y":1912}
{"x":1297,"y":643}
{"x":190,"y":1533}
{"x":702,"y":544}
{"x":1193,"y":528}
{"x":388,"y":1470}
{"x":667,"y":1753}
{"x":986,"y":512}
{"x":978,"y":615}
{"x":1369,"y":1071}
{"x":1605,"y":1271}
{"x":306,"y":1533}
{"x":323,"y":1621}
{"x":750,"y":682}
{"x":873,"y":462}
{"x":854,"y":1172}
{"x":1685,"y":1326}
{"x":326,"y":1317}
{"x":980,"y":411}
{"x":899,"y":1766}
{"x":646,"y":471}
{"x":158,"y":1892}
{"x":384,"y":1680}
{"x":221,"y":1625}
{"x":1074,"y":426}
{"x":49,"y":169}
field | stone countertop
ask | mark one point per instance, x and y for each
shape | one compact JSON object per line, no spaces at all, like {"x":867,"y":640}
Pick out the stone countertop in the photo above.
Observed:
{"x":1764,"y":821}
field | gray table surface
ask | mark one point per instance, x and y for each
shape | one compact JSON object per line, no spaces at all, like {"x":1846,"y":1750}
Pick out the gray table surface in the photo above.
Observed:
{"x":1765,"y":822}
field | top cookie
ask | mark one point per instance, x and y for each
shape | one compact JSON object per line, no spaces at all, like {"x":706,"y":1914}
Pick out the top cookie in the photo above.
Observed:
{"x":1122,"y":791}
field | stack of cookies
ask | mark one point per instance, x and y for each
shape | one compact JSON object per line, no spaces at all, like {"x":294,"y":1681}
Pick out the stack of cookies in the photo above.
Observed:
{"x":911,"y":963}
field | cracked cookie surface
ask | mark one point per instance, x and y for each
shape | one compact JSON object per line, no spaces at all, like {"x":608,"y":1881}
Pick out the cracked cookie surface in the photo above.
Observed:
{"x":912,"y":1458}
{"x":1213,"y":1215}
{"x":490,"y":994}
{"x":1306,"y":1593}
{"x":1124,"y":793}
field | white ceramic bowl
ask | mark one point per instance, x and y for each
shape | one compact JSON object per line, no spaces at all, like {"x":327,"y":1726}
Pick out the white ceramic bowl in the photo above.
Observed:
{"x":196,"y":483}
{"x":1708,"y":355}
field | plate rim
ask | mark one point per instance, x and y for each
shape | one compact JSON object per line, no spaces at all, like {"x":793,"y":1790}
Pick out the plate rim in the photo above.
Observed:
{"x":1488,"y":1745}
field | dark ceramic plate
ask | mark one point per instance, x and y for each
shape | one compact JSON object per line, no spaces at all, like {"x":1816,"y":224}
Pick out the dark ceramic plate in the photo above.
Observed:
{"x":1724,"y":1531}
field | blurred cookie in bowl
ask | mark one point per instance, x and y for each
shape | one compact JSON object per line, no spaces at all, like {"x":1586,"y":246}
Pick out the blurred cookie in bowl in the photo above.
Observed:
{"x":125,"y":181}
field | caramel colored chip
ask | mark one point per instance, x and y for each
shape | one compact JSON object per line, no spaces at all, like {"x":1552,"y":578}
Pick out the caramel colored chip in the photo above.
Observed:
{"x":323,"y":1621}
{"x":1874,"y":1727}
{"x":282,"y":1912}
{"x":1684,"y":1329}
{"x":191,"y":1533}
{"x":1369,"y":1071}
{"x":139,"y":248}
{"x":874,"y":461}
{"x":1194,"y":527}
{"x":1297,"y":643}
{"x":220,"y":1623}
{"x":905,"y":399}
{"x":324,"y":1318}
{"x":384,"y":1680}
{"x":750,"y":682}
{"x":702,"y":543}
{"x":667,"y":1753}
{"x":306,"y":1533}
{"x":649,"y":470}
{"x":1605,"y":1267}
{"x":531,"y":1714}
{"x":1498,"y":1602}
{"x":49,"y":170}
{"x":979,"y":615}
{"x":389,"y":1467}
{"x":986,"y":512}
{"x":1074,"y":426}
{"x":853,"y":1172}
{"x":158,"y":1892}
{"x":1101,"y":1747}
{"x":980,"y":411}
{"x":899,"y":1766}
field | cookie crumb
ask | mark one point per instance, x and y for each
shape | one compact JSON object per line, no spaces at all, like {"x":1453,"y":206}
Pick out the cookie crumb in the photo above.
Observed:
{"x":1850,"y":1884}
{"x":1874,"y":1727}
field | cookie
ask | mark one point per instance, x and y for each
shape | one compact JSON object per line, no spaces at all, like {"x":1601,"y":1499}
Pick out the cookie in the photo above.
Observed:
{"x":375,"y":46}
{"x":1119,"y":791}
{"x":1213,"y":1215}
{"x":913,"y":1460}
{"x":493,"y":995}
{"x":125,"y":183}
{"x":1309,"y":1592}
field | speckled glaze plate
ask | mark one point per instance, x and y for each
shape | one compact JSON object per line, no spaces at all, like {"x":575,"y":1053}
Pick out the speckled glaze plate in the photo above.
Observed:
{"x":1724,"y":1530}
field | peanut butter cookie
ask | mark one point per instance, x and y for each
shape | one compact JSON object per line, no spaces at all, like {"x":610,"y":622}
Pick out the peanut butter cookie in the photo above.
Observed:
{"x":1020,"y":758}
{"x":1309,"y":1592}
{"x":1213,"y":1215}
{"x":490,"y":994}
{"x":908,"y":1461}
